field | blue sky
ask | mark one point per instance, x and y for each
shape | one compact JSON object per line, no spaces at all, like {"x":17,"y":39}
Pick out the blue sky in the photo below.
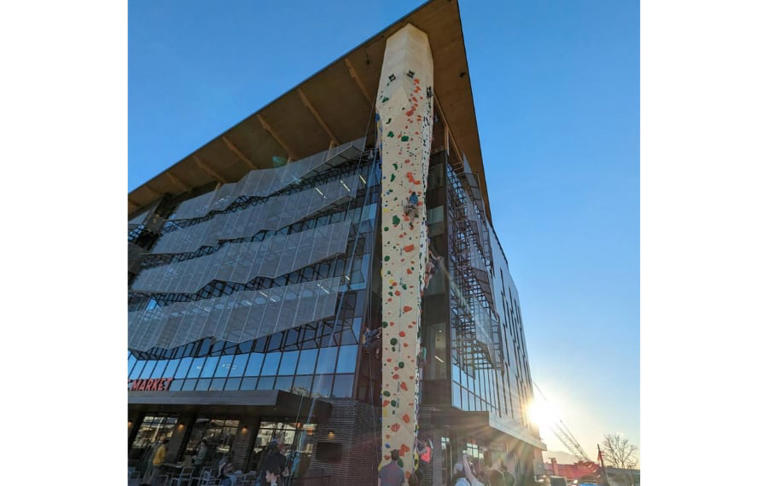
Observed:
{"x":556,"y":89}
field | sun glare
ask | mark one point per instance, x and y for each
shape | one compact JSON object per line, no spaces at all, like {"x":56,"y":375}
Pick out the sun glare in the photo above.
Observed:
{"x":541,"y":413}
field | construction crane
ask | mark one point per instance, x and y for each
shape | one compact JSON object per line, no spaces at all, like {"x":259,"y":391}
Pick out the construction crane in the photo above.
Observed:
{"x":566,"y":437}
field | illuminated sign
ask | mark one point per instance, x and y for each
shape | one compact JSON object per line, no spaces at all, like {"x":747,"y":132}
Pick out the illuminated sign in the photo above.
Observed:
{"x":153,"y":384}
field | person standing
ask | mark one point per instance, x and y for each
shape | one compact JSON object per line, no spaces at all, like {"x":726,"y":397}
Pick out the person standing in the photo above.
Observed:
{"x":392,"y":474}
{"x":199,"y":461}
{"x":158,"y":458}
{"x":468,"y":474}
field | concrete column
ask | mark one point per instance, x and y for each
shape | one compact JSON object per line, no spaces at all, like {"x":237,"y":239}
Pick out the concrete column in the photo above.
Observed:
{"x":404,"y":105}
{"x":179,"y":438}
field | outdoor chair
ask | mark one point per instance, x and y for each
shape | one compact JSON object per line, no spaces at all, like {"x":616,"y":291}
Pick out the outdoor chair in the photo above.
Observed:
{"x":206,"y":478}
{"x":184,"y":477}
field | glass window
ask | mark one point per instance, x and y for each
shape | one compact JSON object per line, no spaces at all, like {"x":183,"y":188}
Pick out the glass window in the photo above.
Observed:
{"x":181,"y":371}
{"x":254,"y":364}
{"x":217,"y":384}
{"x":159,"y":368}
{"x":238,"y":365}
{"x":131,"y":362}
{"x":189,"y":385}
{"x":347,"y":359}
{"x":176,"y":385}
{"x":171,"y":368}
{"x":326,"y":360}
{"x":147,"y":371}
{"x":455,"y":394}
{"x":270,"y":364}
{"x":248,"y":383}
{"x":136,"y":371}
{"x":342,"y":386}
{"x":322,"y":386}
{"x":232,"y":384}
{"x":283,"y":383}
{"x":222,"y":370}
{"x":288,"y":364}
{"x":266,"y":383}
{"x":196,"y":368}
{"x":307,"y":362}
{"x":302,"y":385}
{"x":210,"y":366}
{"x":203,"y":384}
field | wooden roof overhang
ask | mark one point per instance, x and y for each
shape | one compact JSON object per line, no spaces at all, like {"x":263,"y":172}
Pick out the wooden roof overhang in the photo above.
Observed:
{"x":333,"y":106}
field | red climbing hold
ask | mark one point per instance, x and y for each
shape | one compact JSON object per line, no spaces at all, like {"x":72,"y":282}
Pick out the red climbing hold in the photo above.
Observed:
{"x":406,"y":418}
{"x":407,"y":308}
{"x":408,"y":248}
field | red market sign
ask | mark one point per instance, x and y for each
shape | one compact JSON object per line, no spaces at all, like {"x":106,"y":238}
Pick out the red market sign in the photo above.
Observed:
{"x":153,"y":384}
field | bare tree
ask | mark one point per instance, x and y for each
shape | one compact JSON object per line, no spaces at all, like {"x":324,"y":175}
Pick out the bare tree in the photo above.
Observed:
{"x":618,"y":452}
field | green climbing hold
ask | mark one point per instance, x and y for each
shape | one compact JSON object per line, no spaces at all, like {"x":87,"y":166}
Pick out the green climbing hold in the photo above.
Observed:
{"x":384,"y":99}
{"x":392,"y":178}
{"x":395,"y":220}
{"x":388,"y":121}
{"x":393,"y":341}
{"x":404,"y":138}
{"x":401,"y":364}
{"x":391,"y":134}
{"x":386,"y":228}
{"x":385,"y":393}
{"x":386,"y":258}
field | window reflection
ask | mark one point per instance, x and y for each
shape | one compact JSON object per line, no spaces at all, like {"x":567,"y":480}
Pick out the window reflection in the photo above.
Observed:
{"x":238,"y":365}
{"x":196,"y":368}
{"x":147,"y":371}
{"x":288,"y":364}
{"x":347,"y":359}
{"x":307,"y":362}
{"x":270,"y":364}
{"x":254,"y":364}
{"x":326,"y":360}
{"x":342,"y":386}
{"x":222,"y":370}
{"x":183,"y":368}
{"x":209,"y":367}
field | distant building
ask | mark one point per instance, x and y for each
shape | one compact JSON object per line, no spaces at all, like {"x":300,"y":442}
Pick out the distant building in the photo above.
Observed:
{"x":257,"y":263}
{"x":589,"y":473}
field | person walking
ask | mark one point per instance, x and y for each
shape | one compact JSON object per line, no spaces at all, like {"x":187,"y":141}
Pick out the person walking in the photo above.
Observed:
{"x":392,"y":474}
{"x":158,"y":458}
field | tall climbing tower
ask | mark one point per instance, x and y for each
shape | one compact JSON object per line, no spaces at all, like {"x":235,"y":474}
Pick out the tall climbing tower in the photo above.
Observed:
{"x":404,"y":105}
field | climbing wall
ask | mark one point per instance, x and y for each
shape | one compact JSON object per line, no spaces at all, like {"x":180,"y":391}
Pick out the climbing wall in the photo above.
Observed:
{"x":404,"y":119}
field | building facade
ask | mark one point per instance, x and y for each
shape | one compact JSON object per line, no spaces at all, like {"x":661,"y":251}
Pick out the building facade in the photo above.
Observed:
{"x":257,"y":264}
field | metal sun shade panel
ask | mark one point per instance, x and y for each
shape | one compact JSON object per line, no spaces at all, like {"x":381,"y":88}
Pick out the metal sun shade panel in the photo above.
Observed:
{"x":138,"y":219}
{"x":265,"y":182}
{"x":242,"y":262}
{"x":274,"y":214}
{"x":236,"y":318}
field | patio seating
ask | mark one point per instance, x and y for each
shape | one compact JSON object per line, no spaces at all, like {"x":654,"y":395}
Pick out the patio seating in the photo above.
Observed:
{"x":184,"y":477}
